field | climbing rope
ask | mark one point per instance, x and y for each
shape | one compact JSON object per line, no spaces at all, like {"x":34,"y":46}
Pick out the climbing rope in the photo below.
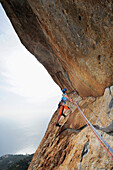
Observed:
{"x":104,"y":144}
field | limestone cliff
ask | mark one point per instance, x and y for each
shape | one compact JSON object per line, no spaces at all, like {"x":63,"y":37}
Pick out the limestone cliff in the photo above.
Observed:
{"x":74,"y":147}
{"x":73,"y":40}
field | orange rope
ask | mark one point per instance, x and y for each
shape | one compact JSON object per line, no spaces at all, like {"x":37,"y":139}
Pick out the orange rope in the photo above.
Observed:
{"x":100,"y":139}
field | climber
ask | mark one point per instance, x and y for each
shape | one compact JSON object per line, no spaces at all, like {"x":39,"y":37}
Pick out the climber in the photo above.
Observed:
{"x":62,"y":105}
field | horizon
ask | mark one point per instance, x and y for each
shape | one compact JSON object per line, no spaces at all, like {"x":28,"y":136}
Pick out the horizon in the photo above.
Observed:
{"x":27,"y":91}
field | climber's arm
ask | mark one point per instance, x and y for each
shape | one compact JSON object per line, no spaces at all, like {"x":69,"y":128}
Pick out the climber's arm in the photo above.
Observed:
{"x":68,"y":98}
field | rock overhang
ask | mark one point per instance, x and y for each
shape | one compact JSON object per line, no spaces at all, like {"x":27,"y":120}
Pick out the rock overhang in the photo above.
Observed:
{"x":72,"y":39}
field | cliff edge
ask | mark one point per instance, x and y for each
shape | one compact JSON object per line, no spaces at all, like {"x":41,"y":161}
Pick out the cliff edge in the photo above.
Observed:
{"x":74,"y":146}
{"x":73,"y":40}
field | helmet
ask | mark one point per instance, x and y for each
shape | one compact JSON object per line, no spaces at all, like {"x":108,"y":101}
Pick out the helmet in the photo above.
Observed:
{"x":63,"y":90}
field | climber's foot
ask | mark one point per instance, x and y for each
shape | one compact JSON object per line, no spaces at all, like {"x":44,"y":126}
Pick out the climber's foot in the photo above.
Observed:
{"x":57,"y":124}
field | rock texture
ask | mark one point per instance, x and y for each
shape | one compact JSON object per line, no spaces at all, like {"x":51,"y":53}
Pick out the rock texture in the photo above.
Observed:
{"x":74,"y":147}
{"x":71,"y":38}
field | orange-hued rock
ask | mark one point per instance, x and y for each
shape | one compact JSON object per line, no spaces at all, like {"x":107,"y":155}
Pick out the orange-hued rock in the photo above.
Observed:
{"x":74,"y":146}
{"x":72,"y":39}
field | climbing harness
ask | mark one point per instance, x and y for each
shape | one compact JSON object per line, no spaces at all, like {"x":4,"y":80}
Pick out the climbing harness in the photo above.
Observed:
{"x":104,"y":144}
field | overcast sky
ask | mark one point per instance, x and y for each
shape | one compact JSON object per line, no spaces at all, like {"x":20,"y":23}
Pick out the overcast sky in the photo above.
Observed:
{"x":20,"y":74}
{"x":27,"y":92}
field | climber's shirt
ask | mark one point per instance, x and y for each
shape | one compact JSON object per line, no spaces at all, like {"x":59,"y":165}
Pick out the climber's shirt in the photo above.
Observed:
{"x":63,"y":101}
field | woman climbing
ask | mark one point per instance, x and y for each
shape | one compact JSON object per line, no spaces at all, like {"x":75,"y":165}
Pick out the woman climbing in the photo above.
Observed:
{"x":62,"y":105}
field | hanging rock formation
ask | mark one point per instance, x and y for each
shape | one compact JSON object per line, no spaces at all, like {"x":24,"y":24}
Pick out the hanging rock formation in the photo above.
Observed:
{"x":73,"y":40}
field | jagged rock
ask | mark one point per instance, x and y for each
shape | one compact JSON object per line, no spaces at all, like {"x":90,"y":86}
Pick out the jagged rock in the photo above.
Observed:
{"x":111,"y":89}
{"x":72,"y":39}
{"x":109,"y":128}
{"x":74,"y":146}
{"x":107,"y":93}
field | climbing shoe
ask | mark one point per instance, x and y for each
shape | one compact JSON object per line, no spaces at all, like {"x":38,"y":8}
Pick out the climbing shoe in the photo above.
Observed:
{"x":63,"y":115}
{"x":57,"y":124}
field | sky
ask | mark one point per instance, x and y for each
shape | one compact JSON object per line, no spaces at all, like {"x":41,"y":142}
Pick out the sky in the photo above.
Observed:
{"x":27,"y":91}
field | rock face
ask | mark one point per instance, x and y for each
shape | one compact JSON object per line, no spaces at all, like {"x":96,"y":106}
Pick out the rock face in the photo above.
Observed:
{"x":71,"y":38}
{"x":74,"y":146}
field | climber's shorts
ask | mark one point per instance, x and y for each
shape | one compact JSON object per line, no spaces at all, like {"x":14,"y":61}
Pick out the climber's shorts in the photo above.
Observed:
{"x":62,"y":109}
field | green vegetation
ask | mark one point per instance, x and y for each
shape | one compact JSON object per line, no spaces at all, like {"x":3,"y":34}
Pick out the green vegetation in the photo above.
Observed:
{"x":15,"y":162}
